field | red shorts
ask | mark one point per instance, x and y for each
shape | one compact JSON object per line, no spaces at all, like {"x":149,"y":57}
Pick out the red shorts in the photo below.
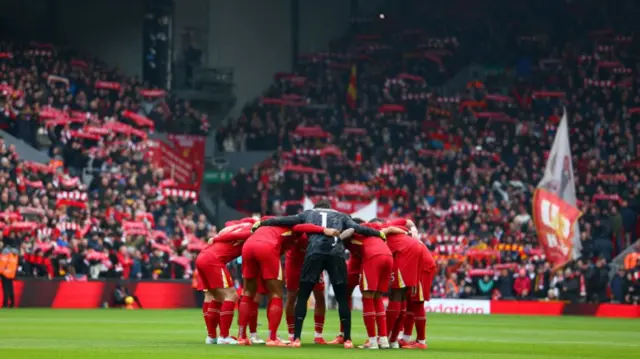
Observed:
{"x":213,"y":273}
{"x":199,"y":284}
{"x":376,"y":273}
{"x":354,"y":267}
{"x":406,"y":270}
{"x":422,"y":293}
{"x":260,"y":260}
{"x":292,"y":269}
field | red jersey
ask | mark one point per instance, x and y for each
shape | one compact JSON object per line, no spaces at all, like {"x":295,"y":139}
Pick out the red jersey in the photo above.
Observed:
{"x":397,"y":222}
{"x":354,"y":245}
{"x":278,"y":237}
{"x":227,"y":245}
{"x":370,"y":247}
{"x":397,"y":243}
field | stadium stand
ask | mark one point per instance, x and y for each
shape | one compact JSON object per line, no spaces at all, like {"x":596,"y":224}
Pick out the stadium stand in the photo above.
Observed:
{"x":129,"y":220}
{"x":385,"y":114}
{"x":372,"y":119}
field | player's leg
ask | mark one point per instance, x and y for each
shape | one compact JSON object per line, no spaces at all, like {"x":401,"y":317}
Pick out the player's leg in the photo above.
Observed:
{"x":224,"y":292}
{"x":275,"y":287}
{"x":396,"y":298}
{"x":414,"y":302}
{"x":384,"y":268}
{"x":249,"y":290}
{"x":395,"y":301}
{"x":419,"y":314}
{"x":207,"y":313}
{"x":319,"y":311}
{"x":395,"y":333}
{"x":272,"y":277}
{"x":337,"y":268}
{"x":290,"y":310}
{"x":369,"y":318}
{"x":253,"y":317}
{"x":381,"y":321}
{"x":352,"y":282}
{"x":417,"y":307}
{"x":407,"y":327}
{"x":311,"y":270}
{"x":368,"y":286}
{"x":292,"y":269}
{"x":214,"y":314}
{"x":250,"y":275}
{"x":209,"y":277}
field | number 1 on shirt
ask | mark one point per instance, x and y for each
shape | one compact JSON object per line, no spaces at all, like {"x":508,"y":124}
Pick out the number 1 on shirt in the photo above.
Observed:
{"x":324,"y":219}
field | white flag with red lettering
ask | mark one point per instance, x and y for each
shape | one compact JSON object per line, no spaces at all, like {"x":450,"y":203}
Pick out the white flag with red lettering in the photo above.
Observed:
{"x":558,"y":180}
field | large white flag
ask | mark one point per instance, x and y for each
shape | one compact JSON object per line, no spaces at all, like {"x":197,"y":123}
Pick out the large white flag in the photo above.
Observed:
{"x":558,"y":177}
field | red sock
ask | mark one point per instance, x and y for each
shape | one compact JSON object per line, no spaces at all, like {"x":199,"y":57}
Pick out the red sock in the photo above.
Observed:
{"x":319,"y":322}
{"x":214,"y":315}
{"x":205,"y":310}
{"x":381,"y":318}
{"x":205,"y":315}
{"x":393,"y":311}
{"x":274,"y":314}
{"x":369,"y":316}
{"x":244,"y":313}
{"x":253,"y":319}
{"x":226,"y":317}
{"x":399,"y":323}
{"x":420,"y":316}
{"x":408,"y":323}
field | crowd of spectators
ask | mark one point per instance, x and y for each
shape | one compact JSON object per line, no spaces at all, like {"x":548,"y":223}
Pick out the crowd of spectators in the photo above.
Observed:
{"x":464,"y":165}
{"x":123,"y":219}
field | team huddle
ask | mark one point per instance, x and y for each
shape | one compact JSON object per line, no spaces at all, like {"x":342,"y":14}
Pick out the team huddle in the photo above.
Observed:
{"x":385,"y":257}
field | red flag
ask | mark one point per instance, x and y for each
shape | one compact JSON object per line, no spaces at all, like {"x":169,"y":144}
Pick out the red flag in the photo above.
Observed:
{"x":554,"y":220}
{"x":352,"y":93}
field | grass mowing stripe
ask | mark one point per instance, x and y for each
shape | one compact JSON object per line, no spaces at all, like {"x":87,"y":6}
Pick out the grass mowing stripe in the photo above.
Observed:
{"x":109,"y":334}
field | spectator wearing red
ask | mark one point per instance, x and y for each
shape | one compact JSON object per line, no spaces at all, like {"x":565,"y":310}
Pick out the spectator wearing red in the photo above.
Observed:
{"x":522,"y":284}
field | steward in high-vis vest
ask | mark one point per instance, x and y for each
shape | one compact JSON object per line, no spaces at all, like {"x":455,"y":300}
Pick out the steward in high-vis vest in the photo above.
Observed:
{"x":8,"y":269}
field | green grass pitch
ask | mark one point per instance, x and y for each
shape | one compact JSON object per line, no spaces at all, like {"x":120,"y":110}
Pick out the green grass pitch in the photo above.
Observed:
{"x":158,"y":334}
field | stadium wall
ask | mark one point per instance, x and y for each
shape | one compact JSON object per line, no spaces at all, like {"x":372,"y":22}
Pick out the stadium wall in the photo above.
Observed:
{"x":254,"y":38}
{"x":25,"y":20}
{"x":111,"y":30}
{"x":168,"y":295}
{"x":321,"y":22}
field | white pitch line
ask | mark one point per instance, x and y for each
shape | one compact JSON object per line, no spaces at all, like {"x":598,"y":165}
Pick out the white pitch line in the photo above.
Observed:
{"x":509,"y":341}
{"x":29,"y":343}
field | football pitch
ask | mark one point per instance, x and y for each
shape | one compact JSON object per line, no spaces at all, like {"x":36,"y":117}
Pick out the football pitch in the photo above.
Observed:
{"x":157,"y":334}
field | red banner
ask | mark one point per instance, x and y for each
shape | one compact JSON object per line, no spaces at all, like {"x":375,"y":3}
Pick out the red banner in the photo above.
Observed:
{"x":94,"y":294}
{"x":182,"y":157}
{"x":554,"y":220}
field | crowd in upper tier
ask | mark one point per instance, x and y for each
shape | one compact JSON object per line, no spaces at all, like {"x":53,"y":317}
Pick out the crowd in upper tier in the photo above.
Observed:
{"x":100,"y":207}
{"x":384,"y":116}
{"x":444,"y":114}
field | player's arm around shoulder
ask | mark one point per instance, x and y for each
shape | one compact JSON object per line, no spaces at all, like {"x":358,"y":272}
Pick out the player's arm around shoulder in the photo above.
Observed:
{"x":315,"y":229}
{"x":393,"y":230}
{"x":239,"y":235}
{"x":286,"y":221}
{"x":365,"y":231}
{"x":347,"y":233}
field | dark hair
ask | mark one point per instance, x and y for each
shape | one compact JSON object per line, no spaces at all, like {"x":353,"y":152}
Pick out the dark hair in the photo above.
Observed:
{"x":323,"y":203}
{"x":358,"y":220}
{"x":376,"y":220}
